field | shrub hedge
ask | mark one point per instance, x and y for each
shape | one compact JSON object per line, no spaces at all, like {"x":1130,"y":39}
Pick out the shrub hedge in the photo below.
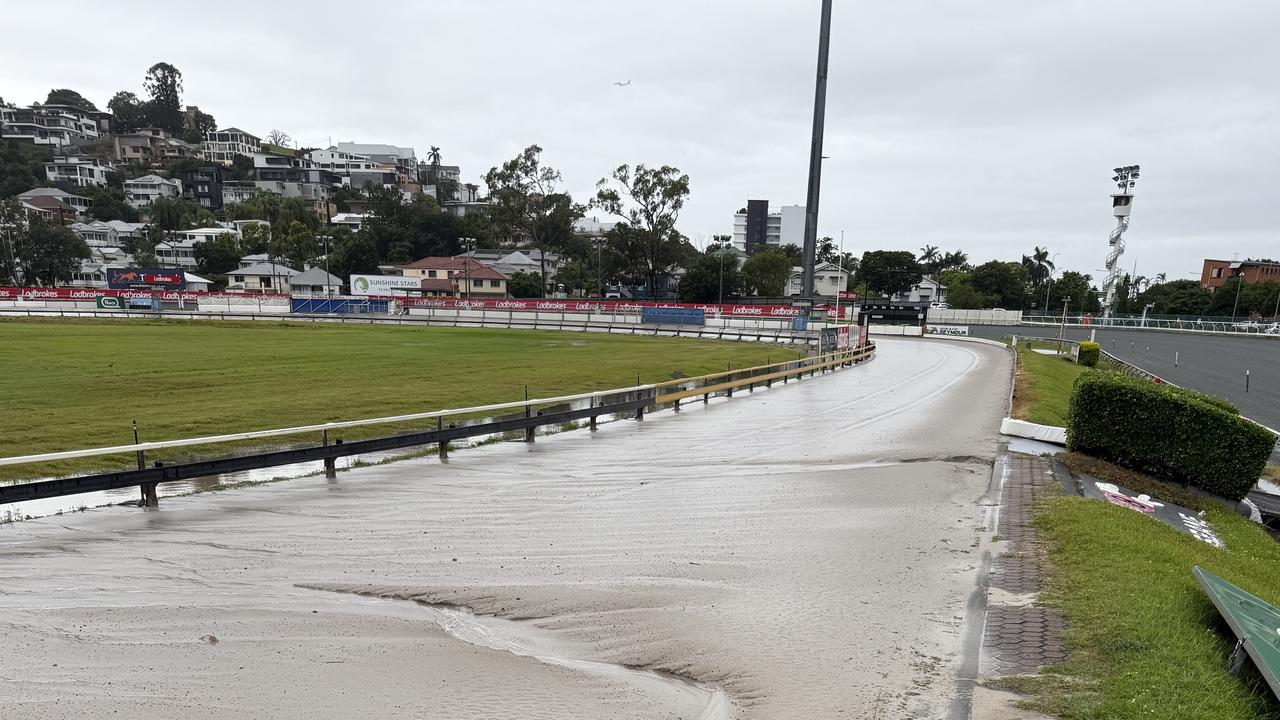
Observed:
{"x":1089,"y":354}
{"x":1167,"y":432}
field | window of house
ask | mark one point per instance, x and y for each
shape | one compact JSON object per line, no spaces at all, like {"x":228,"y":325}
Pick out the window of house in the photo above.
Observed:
{"x":265,"y":282}
{"x":239,"y":278}
{"x":1216,"y":272}
{"x":495,"y":283}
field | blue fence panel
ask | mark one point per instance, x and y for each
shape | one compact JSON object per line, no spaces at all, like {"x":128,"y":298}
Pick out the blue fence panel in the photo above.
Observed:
{"x":338,"y":305}
{"x":673,"y":316}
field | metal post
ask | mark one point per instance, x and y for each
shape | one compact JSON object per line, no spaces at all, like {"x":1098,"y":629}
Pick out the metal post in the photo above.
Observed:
{"x":528,"y":412}
{"x":815,"y":154}
{"x":1062,"y":331}
{"x":330,"y":464}
{"x":1236,"y":306}
{"x":1246,"y":380}
{"x":142,"y":462}
{"x":444,"y":444}
{"x":1175,"y":358}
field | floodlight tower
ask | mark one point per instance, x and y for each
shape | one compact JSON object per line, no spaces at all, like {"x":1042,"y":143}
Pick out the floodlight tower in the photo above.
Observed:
{"x":1125,"y":178}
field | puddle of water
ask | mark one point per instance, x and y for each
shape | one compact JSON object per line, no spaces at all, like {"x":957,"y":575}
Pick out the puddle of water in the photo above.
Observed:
{"x":524,"y":639}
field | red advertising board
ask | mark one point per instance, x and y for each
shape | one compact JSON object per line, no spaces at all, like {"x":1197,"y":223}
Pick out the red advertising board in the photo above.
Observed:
{"x":145,"y":279}
{"x":587,"y":306}
{"x":91,"y":294}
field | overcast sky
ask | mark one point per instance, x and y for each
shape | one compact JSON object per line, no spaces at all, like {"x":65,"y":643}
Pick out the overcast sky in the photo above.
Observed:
{"x":984,"y":125}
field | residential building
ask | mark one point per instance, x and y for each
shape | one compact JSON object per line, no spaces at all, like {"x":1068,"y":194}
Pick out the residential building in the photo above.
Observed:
{"x":260,"y":277}
{"x":315,"y":281}
{"x":203,"y":185}
{"x":400,"y":160}
{"x":195,"y":283}
{"x":1216,"y":272}
{"x":234,"y":191}
{"x":828,"y":279}
{"x":178,"y":249}
{"x":77,"y":203}
{"x":151,"y":146}
{"x":352,"y":221}
{"x":52,"y":125}
{"x":126,"y":231}
{"x":515,"y":261}
{"x":142,"y":192}
{"x":928,"y":290}
{"x":757,"y":226}
{"x":293,"y":176}
{"x":356,"y":171}
{"x":49,"y":209}
{"x":97,"y":234}
{"x":461,"y":276}
{"x":222,"y":146}
{"x":82,"y":170}
{"x":93,"y":269}
{"x":592,"y":226}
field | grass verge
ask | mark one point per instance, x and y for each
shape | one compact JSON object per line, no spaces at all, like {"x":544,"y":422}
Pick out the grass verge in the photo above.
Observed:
{"x":78,"y":383}
{"x":1042,"y":388}
{"x":1143,"y":639}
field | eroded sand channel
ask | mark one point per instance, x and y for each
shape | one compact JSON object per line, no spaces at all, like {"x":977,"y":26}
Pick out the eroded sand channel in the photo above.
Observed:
{"x":768,"y":546}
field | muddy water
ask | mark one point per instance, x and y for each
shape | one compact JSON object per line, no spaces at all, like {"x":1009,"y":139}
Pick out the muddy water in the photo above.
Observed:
{"x":807,"y":550}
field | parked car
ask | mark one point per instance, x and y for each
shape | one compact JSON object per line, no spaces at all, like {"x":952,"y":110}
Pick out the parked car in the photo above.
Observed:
{"x":940,"y":306}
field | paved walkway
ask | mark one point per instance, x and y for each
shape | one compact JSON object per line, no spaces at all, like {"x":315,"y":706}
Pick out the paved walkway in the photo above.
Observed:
{"x":1020,"y":638}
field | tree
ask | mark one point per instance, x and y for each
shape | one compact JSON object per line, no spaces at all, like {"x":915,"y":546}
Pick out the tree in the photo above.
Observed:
{"x":957,"y":260}
{"x":21,"y":167}
{"x":196,"y":125}
{"x":827,"y":251}
{"x":794,"y":253}
{"x":48,"y":253}
{"x":219,"y":254}
{"x":1003,"y":283}
{"x":163,"y":84}
{"x":766,"y":274}
{"x":711,"y":278}
{"x":1039,"y":266}
{"x":527,"y":204}
{"x":649,"y":203}
{"x":578,"y":278}
{"x":279,"y":138}
{"x":889,"y":272}
{"x":255,"y":238}
{"x":243,"y":165}
{"x":129,"y":112}
{"x":12,"y":223}
{"x":525,"y":285}
{"x":297,"y":245}
{"x":1072,"y":285}
{"x":109,"y":204}
{"x":63,"y":96}
{"x":930,"y":259}
{"x":351,"y":254}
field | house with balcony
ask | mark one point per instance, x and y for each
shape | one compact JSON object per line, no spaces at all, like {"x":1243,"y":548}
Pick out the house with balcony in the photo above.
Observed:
{"x":97,"y":234}
{"x":928,"y":290}
{"x":315,"y":281}
{"x":260,"y":277}
{"x":141,"y":192}
{"x":88,"y":124}
{"x":457,"y":276}
{"x":401,"y":161}
{"x":37,"y":196}
{"x":222,"y":146}
{"x":50,"y":125}
{"x":295,"y":176}
{"x":178,"y":249}
{"x":203,"y":185}
{"x":151,"y":146}
{"x":81,"y":170}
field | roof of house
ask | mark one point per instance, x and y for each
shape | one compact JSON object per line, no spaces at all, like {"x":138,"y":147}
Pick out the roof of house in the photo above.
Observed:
{"x":315,"y":276}
{"x":236,"y":130}
{"x":255,"y":258}
{"x":125,"y":227}
{"x":151,"y":179}
{"x":373,"y":149}
{"x":266,"y":270}
{"x":438,"y":284}
{"x":48,"y":202}
{"x":189,"y":278}
{"x":469,"y":265}
{"x":48,"y":192}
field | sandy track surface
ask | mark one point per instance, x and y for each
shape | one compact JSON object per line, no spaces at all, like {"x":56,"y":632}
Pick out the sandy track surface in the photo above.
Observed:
{"x":808,"y":551}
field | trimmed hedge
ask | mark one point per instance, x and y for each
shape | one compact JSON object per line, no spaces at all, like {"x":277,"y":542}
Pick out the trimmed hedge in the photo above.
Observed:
{"x":1211,"y":399}
{"x":1090,"y":353}
{"x":1167,"y":432}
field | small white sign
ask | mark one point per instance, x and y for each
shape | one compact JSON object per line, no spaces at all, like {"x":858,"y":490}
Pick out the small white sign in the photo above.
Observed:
{"x":960,"y":330}
{"x":384,"y":284}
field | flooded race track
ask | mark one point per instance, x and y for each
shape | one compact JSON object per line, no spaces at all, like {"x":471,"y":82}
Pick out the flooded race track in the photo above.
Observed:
{"x":806,"y":551}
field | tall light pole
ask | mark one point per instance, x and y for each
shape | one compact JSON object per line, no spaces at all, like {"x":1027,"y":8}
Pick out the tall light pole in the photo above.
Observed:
{"x":1050,"y":284}
{"x":815,"y":155}
{"x":1125,"y":178}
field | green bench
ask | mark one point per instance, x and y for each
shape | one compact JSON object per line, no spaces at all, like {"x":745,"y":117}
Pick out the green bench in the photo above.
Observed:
{"x":1255,"y":623}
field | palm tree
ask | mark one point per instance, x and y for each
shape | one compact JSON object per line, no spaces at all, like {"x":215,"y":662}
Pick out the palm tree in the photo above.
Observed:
{"x":1160,"y":278}
{"x":954,"y":260}
{"x":1039,"y":265}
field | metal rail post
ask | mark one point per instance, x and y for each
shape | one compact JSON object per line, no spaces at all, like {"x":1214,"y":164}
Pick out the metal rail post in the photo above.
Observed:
{"x":528,"y":412}
{"x":444,"y":444}
{"x":330,"y":464}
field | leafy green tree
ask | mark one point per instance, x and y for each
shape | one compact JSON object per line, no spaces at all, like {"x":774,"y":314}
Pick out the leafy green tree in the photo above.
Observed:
{"x":163,"y":84}
{"x":12,"y":223}
{"x":1039,"y":266}
{"x":243,"y":165}
{"x":21,"y":167}
{"x":1004,"y":283}
{"x":196,"y":124}
{"x":889,"y":272}
{"x":827,"y":252}
{"x":957,"y":260}
{"x":1072,"y":285}
{"x":129,"y":112}
{"x":528,"y":204}
{"x":109,"y":203}
{"x":219,"y":254}
{"x":930,"y":259}
{"x":794,"y":253}
{"x":48,"y":253}
{"x":648,"y":200}
{"x":297,"y":245}
{"x":351,"y":254}
{"x":63,"y":96}
{"x":254,"y":238}
{"x":766,"y":274}
{"x":578,"y":278}
{"x":524,"y":285}
{"x":713,"y":276}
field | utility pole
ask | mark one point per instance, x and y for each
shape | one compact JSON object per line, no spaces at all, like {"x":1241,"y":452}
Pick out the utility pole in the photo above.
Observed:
{"x":1062,"y":331}
{"x":815,"y":155}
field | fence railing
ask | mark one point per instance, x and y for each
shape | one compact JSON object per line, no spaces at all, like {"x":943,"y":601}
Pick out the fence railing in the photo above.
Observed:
{"x":1107,"y":360}
{"x":463,"y":423}
{"x":1214,"y":325}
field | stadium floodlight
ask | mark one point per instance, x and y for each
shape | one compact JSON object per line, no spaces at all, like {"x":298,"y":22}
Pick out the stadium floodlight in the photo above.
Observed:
{"x":1119,"y":170}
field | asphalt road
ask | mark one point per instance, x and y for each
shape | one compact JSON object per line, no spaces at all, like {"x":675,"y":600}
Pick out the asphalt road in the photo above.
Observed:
{"x":1212,"y":364}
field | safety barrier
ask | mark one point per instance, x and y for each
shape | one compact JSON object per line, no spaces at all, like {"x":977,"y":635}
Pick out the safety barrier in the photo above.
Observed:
{"x":465,"y":423}
{"x":1196,"y":325}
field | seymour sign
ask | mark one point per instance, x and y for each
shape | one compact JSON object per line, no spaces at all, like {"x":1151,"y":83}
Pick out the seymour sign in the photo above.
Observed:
{"x":137,"y":278}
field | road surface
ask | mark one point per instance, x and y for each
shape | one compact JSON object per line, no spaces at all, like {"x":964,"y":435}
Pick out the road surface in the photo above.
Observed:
{"x":806,"y":551}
